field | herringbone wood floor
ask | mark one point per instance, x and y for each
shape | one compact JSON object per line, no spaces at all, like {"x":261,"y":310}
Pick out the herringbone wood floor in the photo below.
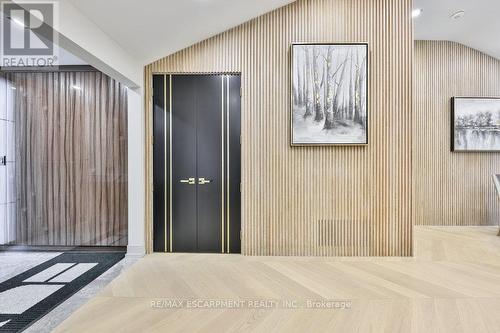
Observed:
{"x":451,"y":285}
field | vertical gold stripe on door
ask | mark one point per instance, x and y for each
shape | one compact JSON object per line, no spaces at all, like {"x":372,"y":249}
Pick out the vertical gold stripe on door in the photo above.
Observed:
{"x":165,"y":158}
{"x":227,"y":166}
{"x":171,"y":222}
{"x":329,"y":201}
{"x":222,"y":164}
{"x":451,"y":189}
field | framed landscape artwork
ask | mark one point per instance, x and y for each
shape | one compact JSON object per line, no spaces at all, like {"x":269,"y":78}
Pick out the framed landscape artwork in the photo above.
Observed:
{"x":475,"y":124}
{"x":329,"y":91}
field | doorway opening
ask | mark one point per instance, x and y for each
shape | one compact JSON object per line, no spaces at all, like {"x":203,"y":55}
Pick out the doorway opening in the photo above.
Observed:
{"x":196,"y":163}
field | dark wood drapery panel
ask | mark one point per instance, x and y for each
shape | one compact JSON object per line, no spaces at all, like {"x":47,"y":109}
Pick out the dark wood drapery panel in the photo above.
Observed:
{"x":71,"y":155}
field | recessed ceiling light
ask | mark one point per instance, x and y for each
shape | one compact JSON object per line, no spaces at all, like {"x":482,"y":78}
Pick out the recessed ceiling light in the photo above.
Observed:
{"x":76,"y":87}
{"x":416,"y":12}
{"x":458,"y":14}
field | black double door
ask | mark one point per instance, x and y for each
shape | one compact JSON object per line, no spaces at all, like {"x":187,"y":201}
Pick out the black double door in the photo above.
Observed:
{"x":196,"y":163}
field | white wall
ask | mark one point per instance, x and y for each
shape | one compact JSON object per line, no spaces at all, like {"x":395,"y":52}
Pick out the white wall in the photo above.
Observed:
{"x":136,"y":188}
{"x":7,"y":172}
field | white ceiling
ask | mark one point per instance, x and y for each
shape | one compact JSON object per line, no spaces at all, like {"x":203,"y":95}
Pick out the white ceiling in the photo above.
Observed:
{"x":479,"y":28}
{"x":152,"y":29}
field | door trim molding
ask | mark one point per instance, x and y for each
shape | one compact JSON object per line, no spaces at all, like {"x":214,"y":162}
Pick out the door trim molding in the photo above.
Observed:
{"x":149,"y":107}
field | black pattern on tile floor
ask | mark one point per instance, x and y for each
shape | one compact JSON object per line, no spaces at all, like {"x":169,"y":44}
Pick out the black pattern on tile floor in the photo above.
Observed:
{"x":28,"y":296}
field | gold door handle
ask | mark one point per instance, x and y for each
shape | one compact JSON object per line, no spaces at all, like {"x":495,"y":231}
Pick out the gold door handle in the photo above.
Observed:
{"x":203,"y":181}
{"x":189,"y":181}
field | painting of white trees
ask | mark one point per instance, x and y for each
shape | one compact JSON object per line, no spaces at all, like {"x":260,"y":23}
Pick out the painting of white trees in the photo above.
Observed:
{"x":329,"y":94}
{"x":475,"y":124}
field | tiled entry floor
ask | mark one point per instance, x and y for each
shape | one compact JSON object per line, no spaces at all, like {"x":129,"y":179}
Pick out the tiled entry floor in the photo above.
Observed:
{"x":14,"y":263}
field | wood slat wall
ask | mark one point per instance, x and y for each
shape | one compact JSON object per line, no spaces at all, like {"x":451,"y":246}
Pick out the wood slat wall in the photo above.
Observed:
{"x":451,"y":189}
{"x":71,"y":155}
{"x":332,"y":201}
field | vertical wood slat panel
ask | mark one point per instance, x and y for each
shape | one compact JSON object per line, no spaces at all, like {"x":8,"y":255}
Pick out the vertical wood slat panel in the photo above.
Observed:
{"x":451,"y":189}
{"x":346,"y":201}
{"x":71,"y":159}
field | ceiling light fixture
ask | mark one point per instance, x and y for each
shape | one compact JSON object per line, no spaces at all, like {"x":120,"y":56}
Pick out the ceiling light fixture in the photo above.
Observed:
{"x":458,"y":14}
{"x":416,"y":12}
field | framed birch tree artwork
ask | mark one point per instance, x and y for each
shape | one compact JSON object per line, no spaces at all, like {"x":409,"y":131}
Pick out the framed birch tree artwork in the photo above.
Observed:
{"x":329,"y":87}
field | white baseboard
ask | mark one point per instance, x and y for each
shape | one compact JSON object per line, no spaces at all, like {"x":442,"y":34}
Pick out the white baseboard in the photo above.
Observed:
{"x":135,"y":251}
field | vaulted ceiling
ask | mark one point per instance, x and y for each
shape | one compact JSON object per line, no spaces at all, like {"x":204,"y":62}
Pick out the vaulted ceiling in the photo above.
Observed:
{"x":479,"y":28}
{"x":153,"y":29}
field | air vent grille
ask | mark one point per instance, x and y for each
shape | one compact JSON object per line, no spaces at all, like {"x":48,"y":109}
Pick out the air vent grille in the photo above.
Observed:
{"x":343,"y":235}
